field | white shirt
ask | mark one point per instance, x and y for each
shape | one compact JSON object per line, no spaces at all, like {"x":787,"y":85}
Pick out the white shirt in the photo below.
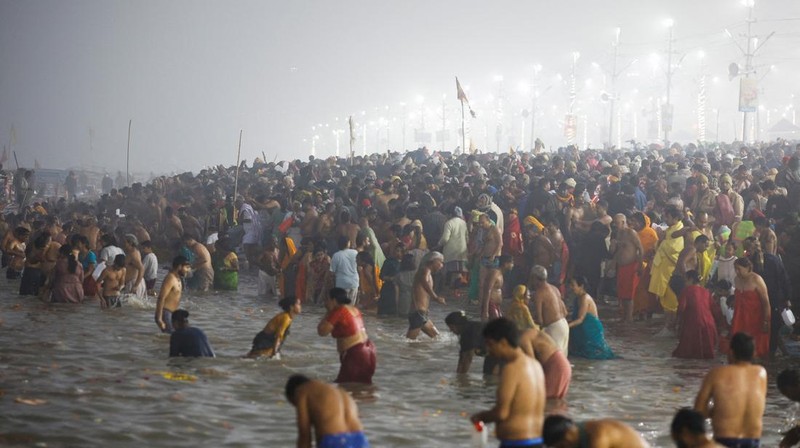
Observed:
{"x":108,"y":254}
{"x":343,"y":264}
{"x":150,"y":263}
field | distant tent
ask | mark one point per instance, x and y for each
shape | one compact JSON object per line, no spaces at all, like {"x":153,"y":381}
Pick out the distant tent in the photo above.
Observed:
{"x":784,"y":129}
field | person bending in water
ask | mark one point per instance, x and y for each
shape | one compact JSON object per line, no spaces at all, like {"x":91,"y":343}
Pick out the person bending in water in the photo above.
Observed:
{"x":471,"y":342}
{"x":550,"y":311}
{"x":112,"y":280}
{"x":519,"y":410}
{"x":187,"y":341}
{"x":557,"y":370}
{"x":562,"y":432}
{"x":688,"y":430}
{"x":422,"y":292}
{"x":268,"y":341}
{"x":169,"y":297}
{"x":739,"y":391}
{"x":356,"y":352}
{"x":327,"y":410}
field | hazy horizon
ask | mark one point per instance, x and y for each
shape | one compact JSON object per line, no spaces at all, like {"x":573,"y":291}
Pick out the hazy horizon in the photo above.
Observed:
{"x":190,"y":75}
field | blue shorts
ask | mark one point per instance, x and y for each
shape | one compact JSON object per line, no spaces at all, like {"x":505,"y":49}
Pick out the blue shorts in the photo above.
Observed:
{"x":166,"y":316}
{"x":532,"y":443}
{"x":487,"y":262}
{"x":738,"y":443}
{"x":344,"y":440}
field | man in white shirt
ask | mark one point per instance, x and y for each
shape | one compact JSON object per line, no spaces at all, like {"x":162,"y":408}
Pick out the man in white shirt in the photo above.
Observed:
{"x":150,"y":263}
{"x":110,"y":249}
{"x":345,"y":270}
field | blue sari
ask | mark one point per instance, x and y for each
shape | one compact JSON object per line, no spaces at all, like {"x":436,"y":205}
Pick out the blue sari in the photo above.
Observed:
{"x":588,"y":340}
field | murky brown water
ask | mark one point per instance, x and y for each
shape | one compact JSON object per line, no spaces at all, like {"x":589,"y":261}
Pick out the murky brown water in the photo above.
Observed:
{"x":101,"y":375}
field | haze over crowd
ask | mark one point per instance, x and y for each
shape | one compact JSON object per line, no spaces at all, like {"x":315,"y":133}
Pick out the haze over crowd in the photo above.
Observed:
{"x":190,"y":75}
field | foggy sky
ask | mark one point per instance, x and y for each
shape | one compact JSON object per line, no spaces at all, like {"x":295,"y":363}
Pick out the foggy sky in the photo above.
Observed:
{"x":190,"y":74}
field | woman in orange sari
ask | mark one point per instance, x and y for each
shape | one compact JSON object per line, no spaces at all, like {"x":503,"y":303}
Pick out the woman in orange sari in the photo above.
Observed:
{"x":644,"y":302}
{"x":286,"y":281}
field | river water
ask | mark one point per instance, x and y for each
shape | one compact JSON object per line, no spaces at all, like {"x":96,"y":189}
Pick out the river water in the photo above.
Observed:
{"x":104,"y":379}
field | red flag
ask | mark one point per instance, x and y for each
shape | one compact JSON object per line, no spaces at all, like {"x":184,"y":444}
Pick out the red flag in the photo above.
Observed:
{"x":463,"y":97}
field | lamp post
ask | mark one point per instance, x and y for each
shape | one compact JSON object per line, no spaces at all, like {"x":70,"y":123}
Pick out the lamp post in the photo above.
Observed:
{"x":534,"y":98}
{"x":701,"y":100}
{"x":612,"y":97}
{"x":666,"y":114}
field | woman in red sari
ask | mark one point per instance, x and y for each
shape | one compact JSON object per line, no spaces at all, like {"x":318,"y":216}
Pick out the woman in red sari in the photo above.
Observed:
{"x":696,"y":324}
{"x":751,"y":310}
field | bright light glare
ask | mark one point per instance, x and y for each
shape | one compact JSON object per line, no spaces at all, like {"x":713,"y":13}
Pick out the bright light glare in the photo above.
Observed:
{"x":498,"y":78}
{"x":420,"y":99}
{"x":701,"y":54}
{"x":524,"y":88}
{"x":669,"y":23}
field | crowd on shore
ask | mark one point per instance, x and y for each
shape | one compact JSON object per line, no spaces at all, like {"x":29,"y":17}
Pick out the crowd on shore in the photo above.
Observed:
{"x":706,"y":237}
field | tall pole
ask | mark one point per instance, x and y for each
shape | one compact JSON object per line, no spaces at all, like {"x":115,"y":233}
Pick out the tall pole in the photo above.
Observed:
{"x":748,"y":67}
{"x":534,"y":96}
{"x":238,"y":162}
{"x":405,"y":117}
{"x":666,"y":115}
{"x":701,"y":102}
{"x":128,"y":158}
{"x":463,"y":131}
{"x":612,"y":97}
{"x":572,"y":131}
{"x":444,"y":122}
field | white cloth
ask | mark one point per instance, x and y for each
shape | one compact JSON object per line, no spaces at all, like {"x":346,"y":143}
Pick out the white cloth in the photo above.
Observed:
{"x":212,"y":239}
{"x":108,"y":254}
{"x":139,"y":291}
{"x":454,"y":240}
{"x":252,"y":229}
{"x":150,"y":263}
{"x":343,"y":264}
{"x":559,"y":331}
{"x":266,"y":285}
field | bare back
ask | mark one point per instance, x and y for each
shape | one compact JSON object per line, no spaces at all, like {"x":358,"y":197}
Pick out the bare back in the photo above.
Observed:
{"x":521,"y":382}
{"x":739,"y":392}
{"x":549,"y":304}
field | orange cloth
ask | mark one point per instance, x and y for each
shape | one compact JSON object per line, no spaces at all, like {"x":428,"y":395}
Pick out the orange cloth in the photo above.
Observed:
{"x":748,"y":317}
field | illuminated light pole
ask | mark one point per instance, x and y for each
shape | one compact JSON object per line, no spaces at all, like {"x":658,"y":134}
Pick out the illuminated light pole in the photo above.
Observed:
{"x":570,"y":126}
{"x":612,"y":97}
{"x":666,"y":114}
{"x":701,"y":100}
{"x":534,"y":97}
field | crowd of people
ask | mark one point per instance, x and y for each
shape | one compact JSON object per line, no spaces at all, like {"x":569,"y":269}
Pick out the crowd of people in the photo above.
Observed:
{"x":535,"y":241}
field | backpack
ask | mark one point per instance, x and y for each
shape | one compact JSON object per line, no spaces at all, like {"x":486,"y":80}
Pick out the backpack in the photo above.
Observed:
{"x":723,"y":211}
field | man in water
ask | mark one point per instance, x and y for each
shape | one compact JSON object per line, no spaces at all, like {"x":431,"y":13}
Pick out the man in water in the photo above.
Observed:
{"x":562,"y":432}
{"x":557,"y":369}
{"x":328,"y":410}
{"x":112,"y":280}
{"x":422,"y":292}
{"x":549,"y":310}
{"x":688,"y":430}
{"x":188,"y":341}
{"x":490,"y":253}
{"x":202,"y":272}
{"x":470,"y":341}
{"x":494,"y":285}
{"x":519,"y":410}
{"x":134,"y":269}
{"x":739,"y":391}
{"x":169,"y":296}
{"x":627,"y":251}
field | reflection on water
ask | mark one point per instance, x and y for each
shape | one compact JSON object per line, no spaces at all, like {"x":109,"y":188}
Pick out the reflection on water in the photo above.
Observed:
{"x":106,"y":379}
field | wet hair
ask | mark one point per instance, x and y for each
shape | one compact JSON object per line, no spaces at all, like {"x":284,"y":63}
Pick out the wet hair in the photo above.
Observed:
{"x":580,"y":281}
{"x":456,"y":318}
{"x":147,"y":243}
{"x":293,"y":383}
{"x":500,"y":329}
{"x":108,"y":239}
{"x":743,"y":262}
{"x":638,"y":217}
{"x":72,"y":262}
{"x":132,"y":240}
{"x":742,"y":347}
{"x":723,"y":284}
{"x":690,"y":420}
{"x":119,"y":261}
{"x":673,"y":211}
{"x":343,"y":242}
{"x":539,"y":273}
{"x":702,"y":239}
{"x":555,"y":428}
{"x":179,"y":261}
{"x":287,"y":303}
{"x":79,"y":239}
{"x":788,"y":378}
{"x":692,"y":276}
{"x":180,"y":315}
{"x":339,"y":295}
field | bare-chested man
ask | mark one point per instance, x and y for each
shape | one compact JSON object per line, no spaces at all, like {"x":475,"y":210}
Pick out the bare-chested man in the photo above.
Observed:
{"x":739,"y":391}
{"x":328,"y":411}
{"x":490,"y":253}
{"x":692,"y":258}
{"x":134,"y":269}
{"x":549,"y":310}
{"x":767,"y":237}
{"x":519,"y":411}
{"x":562,"y":432}
{"x":627,"y":250}
{"x":421,"y":294}
{"x":202,"y":272}
{"x":557,"y":369}
{"x":90,"y":230}
{"x":494,"y":285}
{"x":169,"y":297}
{"x":111,"y":281}
{"x":14,"y":249}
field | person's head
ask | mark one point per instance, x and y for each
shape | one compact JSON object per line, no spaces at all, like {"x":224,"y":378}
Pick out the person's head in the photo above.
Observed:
{"x":339,"y":295}
{"x":620,"y":221}
{"x":343,"y":242}
{"x":485,"y":221}
{"x":521,"y":293}
{"x":692,"y":277}
{"x":538,"y":276}
{"x":506,"y":262}
{"x":702,"y":182}
{"x":722,"y":287}
{"x":601,"y":207}
{"x":672,"y":214}
{"x":761,"y":222}
{"x":742,"y":348}
{"x":725,"y":182}
{"x":730,"y":248}
{"x":119,"y":261}
{"x":502,"y":338}
{"x":637,"y":221}
{"x":435,"y":261}
{"x":292,"y":384}
{"x":146,"y":246}
{"x":181,"y":266}
{"x":456,"y":321}
{"x":789,"y":384}
{"x":188,"y":239}
{"x":701,"y":220}
{"x":130,"y":241}
{"x":688,"y":428}
{"x":743,"y":267}
{"x":560,"y":432}
{"x":701,"y":243}
{"x":577,"y":285}
{"x":180,"y":319}
{"x":290,"y":305}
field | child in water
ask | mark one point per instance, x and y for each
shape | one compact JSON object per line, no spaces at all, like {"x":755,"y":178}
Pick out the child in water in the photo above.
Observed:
{"x":268,"y":341}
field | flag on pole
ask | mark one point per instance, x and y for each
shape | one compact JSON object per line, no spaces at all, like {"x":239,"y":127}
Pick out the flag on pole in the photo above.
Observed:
{"x":463,"y":97}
